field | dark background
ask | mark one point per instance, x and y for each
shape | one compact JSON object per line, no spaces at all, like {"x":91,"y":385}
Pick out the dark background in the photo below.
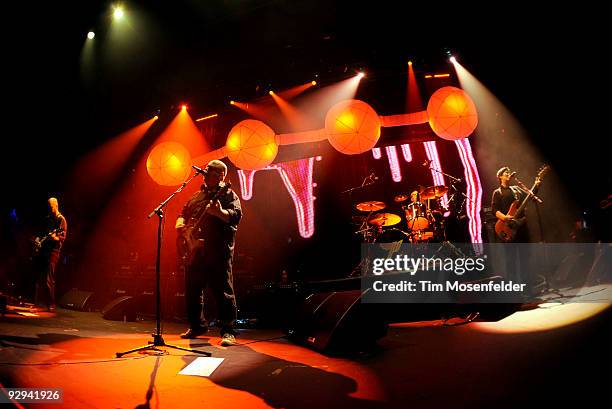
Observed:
{"x":547,"y":67}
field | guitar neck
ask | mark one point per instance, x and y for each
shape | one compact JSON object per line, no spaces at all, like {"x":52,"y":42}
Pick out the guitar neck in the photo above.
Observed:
{"x":534,"y":189}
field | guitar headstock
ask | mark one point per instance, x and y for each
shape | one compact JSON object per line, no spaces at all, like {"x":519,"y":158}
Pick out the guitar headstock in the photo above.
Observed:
{"x":542,"y":172}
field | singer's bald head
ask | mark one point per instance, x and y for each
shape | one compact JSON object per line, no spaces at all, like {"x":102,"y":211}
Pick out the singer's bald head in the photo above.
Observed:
{"x":53,"y":205}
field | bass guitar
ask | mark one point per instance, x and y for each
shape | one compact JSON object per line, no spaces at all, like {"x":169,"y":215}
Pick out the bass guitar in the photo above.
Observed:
{"x":188,"y":244}
{"x":506,"y":230}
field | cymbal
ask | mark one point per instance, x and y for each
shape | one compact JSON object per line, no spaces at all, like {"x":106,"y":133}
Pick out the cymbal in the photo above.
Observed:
{"x":434,"y":191}
{"x":371,"y":206}
{"x":400,"y":198}
{"x":385,"y":219}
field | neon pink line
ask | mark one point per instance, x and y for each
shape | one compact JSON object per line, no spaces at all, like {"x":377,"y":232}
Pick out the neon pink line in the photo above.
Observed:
{"x":246,"y":183}
{"x":376,"y":153}
{"x":297,"y":176}
{"x":406,"y":152}
{"x":432,"y":154}
{"x":474,"y":190}
{"x":396,"y":173}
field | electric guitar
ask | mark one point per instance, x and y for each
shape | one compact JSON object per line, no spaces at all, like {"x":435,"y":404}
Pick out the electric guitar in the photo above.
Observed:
{"x":506,"y":230}
{"x":40,"y":241}
{"x":187,"y":243}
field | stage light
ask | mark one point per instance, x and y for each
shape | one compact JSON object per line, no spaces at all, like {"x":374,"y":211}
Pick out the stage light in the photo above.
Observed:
{"x":207,"y":117}
{"x":155,"y":118}
{"x":314,"y":83}
{"x":271,"y":92}
{"x":410,"y":63}
{"x":184,"y":107}
{"x":91,"y":35}
{"x":361,"y":74}
{"x":118,"y":13}
{"x":453,"y":59}
{"x":232,"y":102}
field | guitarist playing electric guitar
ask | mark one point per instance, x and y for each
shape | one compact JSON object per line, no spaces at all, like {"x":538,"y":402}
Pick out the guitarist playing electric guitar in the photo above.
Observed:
{"x":508,"y":204}
{"x":47,"y":252}
{"x":206,"y":230}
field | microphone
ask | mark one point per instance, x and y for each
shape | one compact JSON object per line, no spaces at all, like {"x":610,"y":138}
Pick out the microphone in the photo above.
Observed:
{"x":373,"y":176}
{"x":199,"y":170}
{"x":512,"y":175}
{"x":426,"y":163}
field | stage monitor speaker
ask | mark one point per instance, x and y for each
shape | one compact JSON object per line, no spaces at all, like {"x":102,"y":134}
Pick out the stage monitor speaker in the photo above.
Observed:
{"x":76,"y":299}
{"x":120,"y":309}
{"x":337,"y":322}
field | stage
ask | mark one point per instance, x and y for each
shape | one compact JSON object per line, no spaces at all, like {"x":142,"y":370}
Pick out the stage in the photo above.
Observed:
{"x":527,"y":358}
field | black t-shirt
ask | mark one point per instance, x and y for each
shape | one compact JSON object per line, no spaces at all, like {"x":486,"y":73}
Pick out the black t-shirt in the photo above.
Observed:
{"x":503,"y":198}
{"x":218,"y":235}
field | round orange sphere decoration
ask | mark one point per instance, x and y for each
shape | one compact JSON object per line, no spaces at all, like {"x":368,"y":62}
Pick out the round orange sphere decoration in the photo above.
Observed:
{"x":169,"y":163}
{"x":452,"y":113}
{"x":251,"y":145}
{"x":352,"y":127}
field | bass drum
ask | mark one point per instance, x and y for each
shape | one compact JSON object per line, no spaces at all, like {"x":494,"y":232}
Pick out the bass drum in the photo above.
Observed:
{"x":416,"y":216}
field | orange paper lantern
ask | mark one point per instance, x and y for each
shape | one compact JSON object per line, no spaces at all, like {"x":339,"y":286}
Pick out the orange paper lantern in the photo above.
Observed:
{"x":352,"y":127}
{"x":452,"y":113}
{"x":251,"y":145}
{"x":169,"y":163}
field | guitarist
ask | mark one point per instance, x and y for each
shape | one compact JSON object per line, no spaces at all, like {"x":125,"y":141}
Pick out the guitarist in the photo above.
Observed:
{"x":211,"y":265}
{"x":503,"y":197}
{"x":514,"y":255}
{"x":48,"y":256}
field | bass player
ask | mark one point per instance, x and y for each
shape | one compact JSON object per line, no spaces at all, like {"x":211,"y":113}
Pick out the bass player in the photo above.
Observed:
{"x":211,"y":263}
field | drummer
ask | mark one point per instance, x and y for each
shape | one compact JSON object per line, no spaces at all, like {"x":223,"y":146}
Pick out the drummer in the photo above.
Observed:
{"x":415,"y":197}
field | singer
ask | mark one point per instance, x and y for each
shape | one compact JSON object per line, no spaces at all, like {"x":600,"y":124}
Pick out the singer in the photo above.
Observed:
{"x":501,"y":205}
{"x":211,"y":215}
{"x":504,"y":196}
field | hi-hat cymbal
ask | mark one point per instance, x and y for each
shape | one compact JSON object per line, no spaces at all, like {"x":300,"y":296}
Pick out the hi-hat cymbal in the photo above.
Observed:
{"x":385,"y":219}
{"x":400,"y":198}
{"x":434,"y":191}
{"x":371,"y":206}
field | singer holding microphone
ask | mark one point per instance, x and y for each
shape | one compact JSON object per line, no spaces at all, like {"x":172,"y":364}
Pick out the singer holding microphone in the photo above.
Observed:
{"x":211,"y":263}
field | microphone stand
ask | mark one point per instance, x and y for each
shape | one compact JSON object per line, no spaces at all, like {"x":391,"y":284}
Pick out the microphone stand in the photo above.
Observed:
{"x":454,"y":179}
{"x":158,"y":341}
{"x":452,"y":184}
{"x":363,"y":184}
{"x":528,"y":191}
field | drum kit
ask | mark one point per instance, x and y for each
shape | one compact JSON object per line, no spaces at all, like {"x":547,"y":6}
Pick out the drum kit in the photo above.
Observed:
{"x":421,"y":210}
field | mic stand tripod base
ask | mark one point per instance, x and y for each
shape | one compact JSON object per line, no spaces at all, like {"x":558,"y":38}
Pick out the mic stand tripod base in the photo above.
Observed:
{"x":158,"y":341}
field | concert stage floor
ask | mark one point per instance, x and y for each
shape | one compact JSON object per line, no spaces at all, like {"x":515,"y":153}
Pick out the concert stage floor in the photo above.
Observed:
{"x":529,"y":357}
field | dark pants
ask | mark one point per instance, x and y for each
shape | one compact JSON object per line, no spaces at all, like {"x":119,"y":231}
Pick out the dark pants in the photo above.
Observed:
{"x":45,"y":282}
{"x":217,"y":277}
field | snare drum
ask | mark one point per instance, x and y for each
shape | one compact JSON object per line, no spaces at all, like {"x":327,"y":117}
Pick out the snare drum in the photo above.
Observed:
{"x":416,"y":216}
